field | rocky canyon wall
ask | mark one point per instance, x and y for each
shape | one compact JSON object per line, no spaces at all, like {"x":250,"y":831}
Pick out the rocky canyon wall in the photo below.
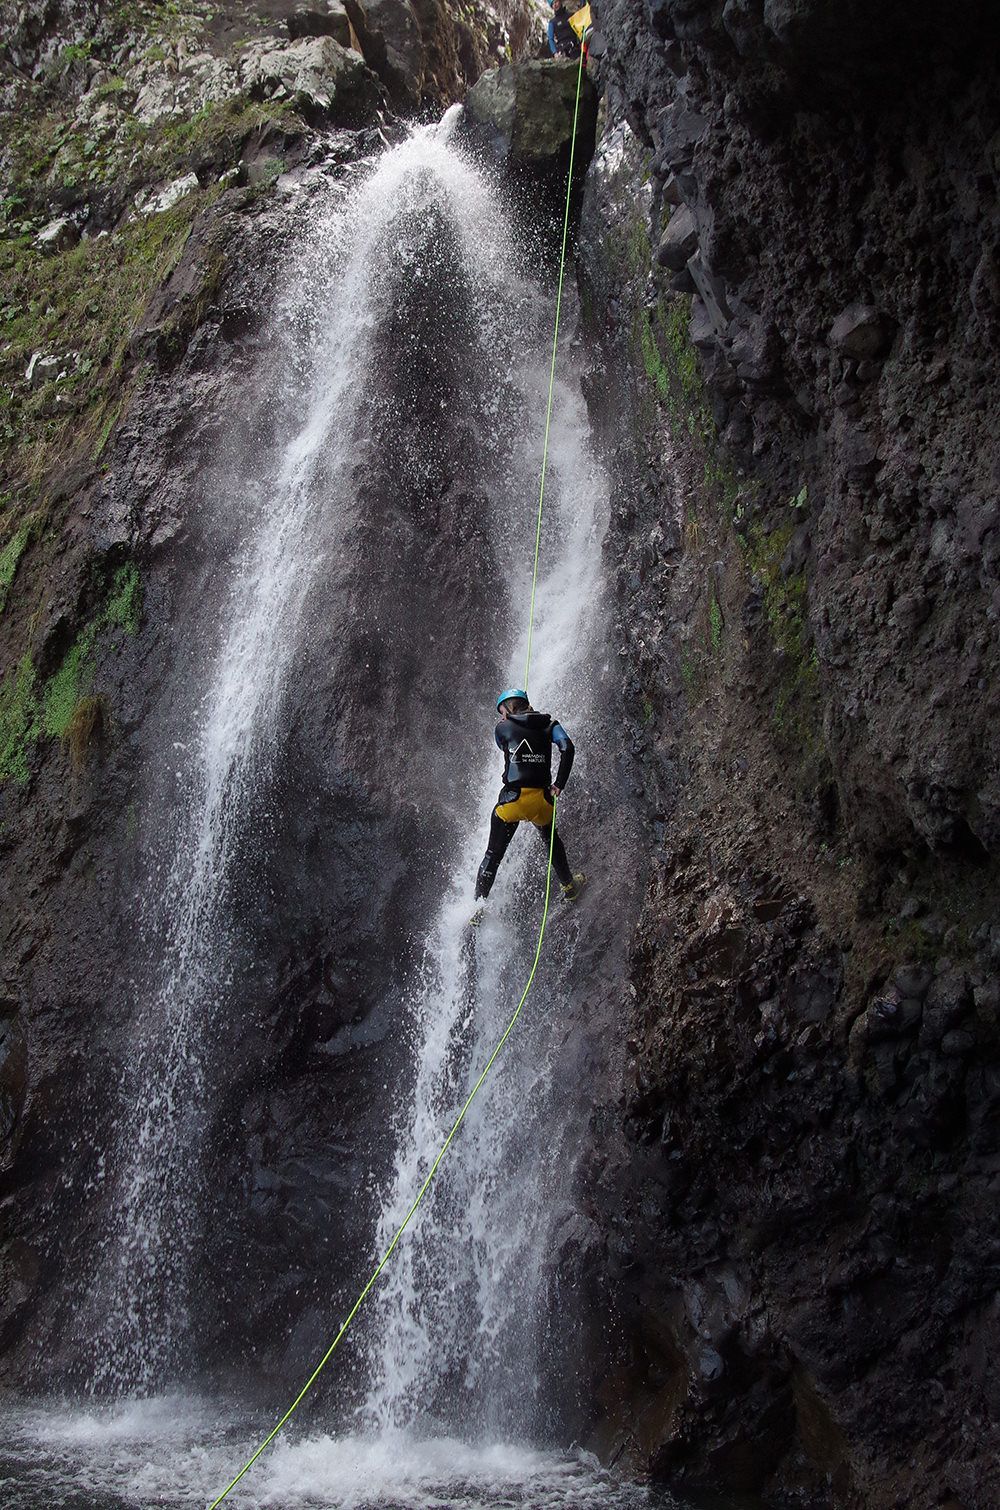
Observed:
{"x":789,"y":261}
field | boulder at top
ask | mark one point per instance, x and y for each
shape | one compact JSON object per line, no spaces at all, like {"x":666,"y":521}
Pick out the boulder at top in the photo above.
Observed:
{"x":317,"y":74}
{"x":524,"y":114}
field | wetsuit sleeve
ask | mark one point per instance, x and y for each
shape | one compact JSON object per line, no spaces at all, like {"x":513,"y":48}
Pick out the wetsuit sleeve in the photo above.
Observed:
{"x":504,"y":751}
{"x":566,"y":749}
{"x":552,"y":38}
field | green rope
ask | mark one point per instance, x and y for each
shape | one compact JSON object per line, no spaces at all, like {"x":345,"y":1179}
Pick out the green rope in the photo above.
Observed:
{"x":321,"y":1365}
{"x":552,"y":371}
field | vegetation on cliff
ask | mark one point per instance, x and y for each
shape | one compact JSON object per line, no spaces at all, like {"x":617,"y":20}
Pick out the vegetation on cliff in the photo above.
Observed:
{"x":116,"y":147}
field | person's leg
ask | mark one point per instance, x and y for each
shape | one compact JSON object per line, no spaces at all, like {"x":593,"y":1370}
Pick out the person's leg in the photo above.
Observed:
{"x":560,"y":864}
{"x":501,"y":834}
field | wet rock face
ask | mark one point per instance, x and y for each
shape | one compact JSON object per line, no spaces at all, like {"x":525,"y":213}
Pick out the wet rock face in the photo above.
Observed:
{"x":428,"y":51}
{"x":802,"y":1242}
{"x":787,"y":253}
{"x":330,"y":21}
{"x":524,"y":116}
{"x":321,"y":895}
{"x":845,"y":319}
{"x":13,"y":1082}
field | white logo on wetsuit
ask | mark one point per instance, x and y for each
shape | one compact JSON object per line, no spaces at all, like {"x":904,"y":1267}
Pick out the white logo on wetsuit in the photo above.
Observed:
{"x":529,"y":753}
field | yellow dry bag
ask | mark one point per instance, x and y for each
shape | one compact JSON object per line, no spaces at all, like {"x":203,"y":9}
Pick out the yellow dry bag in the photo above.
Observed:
{"x":580,"y":20}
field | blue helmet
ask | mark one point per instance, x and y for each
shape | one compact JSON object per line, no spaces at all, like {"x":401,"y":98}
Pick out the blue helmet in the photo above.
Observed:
{"x":511,"y":692}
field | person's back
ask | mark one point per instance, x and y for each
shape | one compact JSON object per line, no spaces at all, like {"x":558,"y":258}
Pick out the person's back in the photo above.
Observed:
{"x":526,"y":740}
{"x":563,"y":41}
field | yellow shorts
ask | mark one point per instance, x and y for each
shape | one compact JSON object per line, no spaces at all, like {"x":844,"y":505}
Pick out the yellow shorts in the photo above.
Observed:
{"x":533,"y":805}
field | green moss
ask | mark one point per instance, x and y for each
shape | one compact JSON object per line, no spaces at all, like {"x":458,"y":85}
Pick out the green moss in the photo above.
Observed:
{"x":71,"y":683}
{"x":215,"y":132}
{"x":19,"y":720}
{"x":671,"y":365}
{"x":638,"y":250}
{"x":65,"y":707}
{"x":715,"y":624}
{"x":652,"y":361}
{"x":75,"y":52}
{"x":65,"y":688}
{"x":107,"y":424}
{"x":124,"y":606}
{"x":674,"y":320}
{"x":912,"y":941}
{"x":732,"y":492}
{"x":83,"y":305}
{"x":111,"y":87}
{"x":10,"y":556}
{"x":786,"y":606}
{"x":785,"y":597}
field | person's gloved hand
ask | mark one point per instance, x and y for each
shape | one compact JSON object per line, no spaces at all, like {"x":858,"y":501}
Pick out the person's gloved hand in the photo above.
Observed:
{"x":553,"y":792}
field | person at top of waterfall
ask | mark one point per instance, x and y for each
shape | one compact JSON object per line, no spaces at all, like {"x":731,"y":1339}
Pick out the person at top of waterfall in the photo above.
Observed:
{"x":525,"y":739}
{"x":563,"y":40}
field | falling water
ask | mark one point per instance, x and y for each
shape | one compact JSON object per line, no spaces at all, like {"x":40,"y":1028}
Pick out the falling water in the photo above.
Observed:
{"x":353,"y":249}
{"x":453,"y":1343}
{"x":457,"y":1337}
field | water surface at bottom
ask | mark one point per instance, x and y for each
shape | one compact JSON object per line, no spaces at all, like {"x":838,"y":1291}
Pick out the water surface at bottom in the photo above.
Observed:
{"x":176,"y":1451}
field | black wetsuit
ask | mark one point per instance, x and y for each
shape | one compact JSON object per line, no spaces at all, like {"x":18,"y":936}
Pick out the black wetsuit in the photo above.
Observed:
{"x":526,"y":740}
{"x":563,"y":40}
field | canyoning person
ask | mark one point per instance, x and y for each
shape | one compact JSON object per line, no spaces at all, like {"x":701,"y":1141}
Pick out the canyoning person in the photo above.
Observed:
{"x":526,"y":739}
{"x":563,"y":41}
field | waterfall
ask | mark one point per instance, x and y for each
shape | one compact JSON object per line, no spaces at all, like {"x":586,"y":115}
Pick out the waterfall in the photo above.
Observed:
{"x":356,"y":253}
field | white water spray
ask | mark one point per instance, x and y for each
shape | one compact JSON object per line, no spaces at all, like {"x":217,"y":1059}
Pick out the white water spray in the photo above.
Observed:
{"x":354,"y":252}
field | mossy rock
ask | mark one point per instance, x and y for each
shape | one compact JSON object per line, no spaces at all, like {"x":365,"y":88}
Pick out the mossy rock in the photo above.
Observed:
{"x":523,"y":114}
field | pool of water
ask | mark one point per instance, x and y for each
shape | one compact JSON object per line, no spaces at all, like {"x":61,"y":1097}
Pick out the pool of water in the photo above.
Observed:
{"x":176,"y":1451}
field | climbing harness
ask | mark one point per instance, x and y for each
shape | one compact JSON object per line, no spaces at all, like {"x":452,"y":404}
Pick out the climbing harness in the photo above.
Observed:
{"x":321,"y":1365}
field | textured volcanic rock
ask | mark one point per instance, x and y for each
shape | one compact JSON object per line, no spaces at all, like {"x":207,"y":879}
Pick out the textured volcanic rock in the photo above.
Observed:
{"x":428,"y":51}
{"x":524,"y":114}
{"x":789,"y":259}
{"x":316,"y":73}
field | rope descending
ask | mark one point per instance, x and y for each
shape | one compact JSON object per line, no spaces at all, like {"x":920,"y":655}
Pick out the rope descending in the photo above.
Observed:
{"x":418,"y":1198}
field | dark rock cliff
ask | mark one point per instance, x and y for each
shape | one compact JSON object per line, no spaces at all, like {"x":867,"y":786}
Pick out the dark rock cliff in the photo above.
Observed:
{"x":790,"y":262}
